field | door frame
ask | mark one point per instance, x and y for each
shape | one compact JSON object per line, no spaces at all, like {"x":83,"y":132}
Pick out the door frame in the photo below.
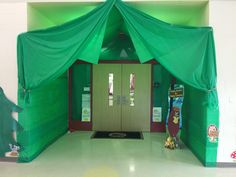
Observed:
{"x":75,"y":125}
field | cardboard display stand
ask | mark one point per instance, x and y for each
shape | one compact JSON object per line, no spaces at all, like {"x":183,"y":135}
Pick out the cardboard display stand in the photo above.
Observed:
{"x":174,"y":117}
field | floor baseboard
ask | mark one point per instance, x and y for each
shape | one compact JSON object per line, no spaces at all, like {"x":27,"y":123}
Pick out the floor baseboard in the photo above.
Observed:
{"x":8,"y":159}
{"x":226,"y":164}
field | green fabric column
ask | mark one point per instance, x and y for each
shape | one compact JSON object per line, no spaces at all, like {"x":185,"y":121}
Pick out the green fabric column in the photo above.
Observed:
{"x":44,"y":117}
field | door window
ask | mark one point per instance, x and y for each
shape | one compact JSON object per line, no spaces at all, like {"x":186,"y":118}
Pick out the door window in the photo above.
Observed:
{"x":110,"y":89}
{"x":131,"y":88}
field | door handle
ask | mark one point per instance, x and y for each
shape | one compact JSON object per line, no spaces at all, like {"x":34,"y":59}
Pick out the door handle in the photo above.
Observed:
{"x":123,"y":100}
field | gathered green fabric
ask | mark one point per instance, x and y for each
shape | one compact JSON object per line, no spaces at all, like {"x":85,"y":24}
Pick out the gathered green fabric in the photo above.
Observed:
{"x":44,"y":55}
{"x":186,"y":52}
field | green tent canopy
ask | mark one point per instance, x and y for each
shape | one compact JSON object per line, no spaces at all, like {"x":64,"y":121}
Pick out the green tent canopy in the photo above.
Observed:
{"x":44,"y":55}
{"x":188,"y":53}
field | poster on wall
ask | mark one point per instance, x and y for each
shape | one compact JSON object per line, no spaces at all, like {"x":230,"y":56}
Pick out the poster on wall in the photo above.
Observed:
{"x":85,"y":100}
{"x":213,"y":133}
{"x":86,"y":116}
{"x":86,"y":89}
{"x":156,"y":114}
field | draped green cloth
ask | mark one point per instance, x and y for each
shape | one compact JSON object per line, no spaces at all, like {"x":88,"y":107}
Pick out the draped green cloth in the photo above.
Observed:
{"x":187,"y":52}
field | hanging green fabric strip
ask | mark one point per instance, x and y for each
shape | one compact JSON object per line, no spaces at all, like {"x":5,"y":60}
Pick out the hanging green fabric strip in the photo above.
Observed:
{"x":44,"y":55}
{"x":172,"y":46}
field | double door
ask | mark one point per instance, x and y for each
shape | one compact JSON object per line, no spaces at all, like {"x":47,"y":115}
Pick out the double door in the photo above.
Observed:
{"x":121,"y":97}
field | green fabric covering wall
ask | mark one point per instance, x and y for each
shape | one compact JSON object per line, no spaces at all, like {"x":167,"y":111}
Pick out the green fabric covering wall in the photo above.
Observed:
{"x":160,"y":93}
{"x":81,"y":77}
{"x":44,"y":117}
{"x":196,"y":119}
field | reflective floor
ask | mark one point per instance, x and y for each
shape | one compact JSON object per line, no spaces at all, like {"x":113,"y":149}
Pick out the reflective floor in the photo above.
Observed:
{"x":76,"y":155}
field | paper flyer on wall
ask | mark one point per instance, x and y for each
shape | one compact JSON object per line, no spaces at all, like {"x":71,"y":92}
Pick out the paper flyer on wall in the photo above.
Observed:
{"x":86,"y":108}
{"x":86,"y":114}
{"x":156,"y":114}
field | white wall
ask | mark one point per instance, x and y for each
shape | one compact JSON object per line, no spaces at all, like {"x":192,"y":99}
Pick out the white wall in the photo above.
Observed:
{"x":13,"y":20}
{"x":222,"y":18}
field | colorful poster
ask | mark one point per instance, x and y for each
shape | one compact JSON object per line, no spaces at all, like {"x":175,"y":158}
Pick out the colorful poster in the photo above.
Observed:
{"x":156,"y":114}
{"x":174,"y":117}
{"x":86,"y":108}
{"x":86,"y":114}
{"x":212,"y":133}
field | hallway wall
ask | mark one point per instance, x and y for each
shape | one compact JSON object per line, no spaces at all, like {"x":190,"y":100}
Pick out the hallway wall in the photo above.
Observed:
{"x":13,"y":20}
{"x":222,"y":18}
{"x":42,"y":122}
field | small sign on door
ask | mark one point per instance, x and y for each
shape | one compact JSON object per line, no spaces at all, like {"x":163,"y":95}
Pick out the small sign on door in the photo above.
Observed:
{"x":156,"y":114}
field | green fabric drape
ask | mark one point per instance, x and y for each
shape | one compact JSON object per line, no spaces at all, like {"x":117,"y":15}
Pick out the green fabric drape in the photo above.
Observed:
{"x":186,"y":52}
{"x":172,"y":46}
{"x":44,"y":55}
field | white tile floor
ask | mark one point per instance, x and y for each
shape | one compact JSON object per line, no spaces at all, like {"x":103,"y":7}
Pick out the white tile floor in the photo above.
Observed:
{"x":76,"y":155}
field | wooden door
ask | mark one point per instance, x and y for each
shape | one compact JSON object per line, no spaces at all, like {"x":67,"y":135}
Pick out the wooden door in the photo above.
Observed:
{"x":125,"y":106}
{"x":136,"y":97}
{"x":106,"y":110}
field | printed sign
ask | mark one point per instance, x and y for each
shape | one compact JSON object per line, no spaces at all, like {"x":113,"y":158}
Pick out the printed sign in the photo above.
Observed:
{"x":85,"y":108}
{"x":156,"y":114}
{"x":86,"y":114}
{"x":86,"y":89}
{"x":213,"y":133}
{"x":85,"y":100}
{"x":179,"y":92}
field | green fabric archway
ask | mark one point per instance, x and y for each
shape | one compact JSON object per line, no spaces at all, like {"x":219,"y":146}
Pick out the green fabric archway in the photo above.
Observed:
{"x":186,"y":52}
{"x":44,"y":55}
